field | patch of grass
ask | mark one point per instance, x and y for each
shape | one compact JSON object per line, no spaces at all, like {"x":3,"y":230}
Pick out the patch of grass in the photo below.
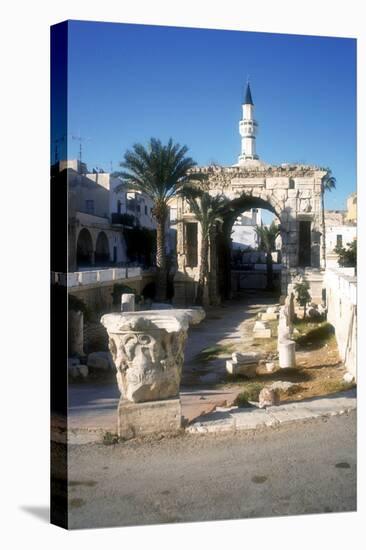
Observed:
{"x":213,"y":352}
{"x":110,"y":439}
{"x":250,"y":393}
{"x":315,"y":337}
{"x":335,"y":386}
{"x":304,"y":325}
{"x":264,"y":345}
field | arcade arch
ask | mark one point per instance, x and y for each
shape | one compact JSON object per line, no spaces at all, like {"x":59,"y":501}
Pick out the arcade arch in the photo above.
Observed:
{"x":84,"y":248}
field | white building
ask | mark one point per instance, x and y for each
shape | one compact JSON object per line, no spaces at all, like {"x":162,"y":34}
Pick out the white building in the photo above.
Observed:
{"x":339,"y":231}
{"x":243,"y":234}
{"x":96,"y":221}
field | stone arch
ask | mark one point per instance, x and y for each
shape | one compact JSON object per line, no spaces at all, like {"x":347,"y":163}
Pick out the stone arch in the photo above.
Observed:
{"x":291,"y":192}
{"x":102,"y":248}
{"x":84,"y":248}
{"x":235,"y":207}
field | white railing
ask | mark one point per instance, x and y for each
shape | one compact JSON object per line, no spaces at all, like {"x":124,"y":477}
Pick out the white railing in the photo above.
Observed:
{"x":83,"y":278}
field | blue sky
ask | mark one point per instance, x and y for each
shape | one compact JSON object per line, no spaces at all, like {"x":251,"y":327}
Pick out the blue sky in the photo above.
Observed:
{"x":130,"y":82}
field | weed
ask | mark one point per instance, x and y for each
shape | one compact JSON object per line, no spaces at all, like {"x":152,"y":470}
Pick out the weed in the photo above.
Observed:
{"x":110,"y":439}
{"x":213,"y":352}
{"x":315,"y":337}
{"x":335,"y":386}
{"x":250,"y":393}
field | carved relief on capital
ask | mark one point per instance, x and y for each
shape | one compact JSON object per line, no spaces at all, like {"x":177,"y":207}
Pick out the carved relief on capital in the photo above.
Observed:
{"x":147,"y":357}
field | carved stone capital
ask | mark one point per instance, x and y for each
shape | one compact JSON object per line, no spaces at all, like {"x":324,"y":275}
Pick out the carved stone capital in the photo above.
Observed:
{"x":148,"y":350}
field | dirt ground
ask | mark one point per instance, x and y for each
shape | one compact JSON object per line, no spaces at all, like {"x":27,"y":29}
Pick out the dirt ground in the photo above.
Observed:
{"x":319,"y":370}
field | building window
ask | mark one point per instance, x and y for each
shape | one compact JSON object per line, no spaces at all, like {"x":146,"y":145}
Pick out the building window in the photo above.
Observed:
{"x":145,"y":210}
{"x":89,"y":205}
{"x":192,"y":244}
{"x":291,"y":184}
{"x":339,"y":240}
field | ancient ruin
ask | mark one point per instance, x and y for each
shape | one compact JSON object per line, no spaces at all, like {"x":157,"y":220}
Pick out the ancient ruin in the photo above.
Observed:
{"x":148,"y":352}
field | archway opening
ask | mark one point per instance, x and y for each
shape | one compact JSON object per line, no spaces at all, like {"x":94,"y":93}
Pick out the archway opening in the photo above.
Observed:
{"x":102,"y":249}
{"x":245,"y":259}
{"x":84,"y":249}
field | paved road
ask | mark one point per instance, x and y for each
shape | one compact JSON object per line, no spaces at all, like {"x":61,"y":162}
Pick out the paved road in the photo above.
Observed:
{"x":295,"y":469}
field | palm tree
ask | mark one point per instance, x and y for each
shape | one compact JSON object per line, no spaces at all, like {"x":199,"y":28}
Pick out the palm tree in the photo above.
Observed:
{"x":328,"y":183}
{"x":267,"y":242}
{"x":159,"y":171}
{"x":208,"y":210}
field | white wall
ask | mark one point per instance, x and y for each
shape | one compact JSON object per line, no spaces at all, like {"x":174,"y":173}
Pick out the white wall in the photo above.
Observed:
{"x":341,"y":292}
{"x":348,"y":232}
{"x":243,"y":236}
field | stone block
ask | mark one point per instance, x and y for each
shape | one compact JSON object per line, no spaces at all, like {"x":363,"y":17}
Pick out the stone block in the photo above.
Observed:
{"x":262,"y":333}
{"x":277,"y":183}
{"x":248,"y":357}
{"x":291,"y":203}
{"x":293,"y":226}
{"x":245,"y":369}
{"x":137,"y":419}
{"x":280,"y":194}
{"x":260,"y":325}
{"x":292,"y":193}
{"x":269,"y":316}
{"x":304,"y":183}
{"x":293,"y":237}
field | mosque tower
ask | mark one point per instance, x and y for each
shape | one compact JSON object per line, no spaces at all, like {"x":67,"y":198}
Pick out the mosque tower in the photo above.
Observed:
{"x":248,"y":130}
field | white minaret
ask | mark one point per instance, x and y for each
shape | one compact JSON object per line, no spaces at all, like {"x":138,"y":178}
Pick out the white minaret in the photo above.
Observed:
{"x":248,"y":130}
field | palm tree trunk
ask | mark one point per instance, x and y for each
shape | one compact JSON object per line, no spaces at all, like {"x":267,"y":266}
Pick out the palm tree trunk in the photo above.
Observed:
{"x":269,"y":271}
{"x":161,"y":285}
{"x":203,"y":272}
{"x":323,"y":231}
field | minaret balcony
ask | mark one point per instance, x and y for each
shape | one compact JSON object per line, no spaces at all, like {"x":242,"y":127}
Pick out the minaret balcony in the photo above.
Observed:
{"x":248,"y":126}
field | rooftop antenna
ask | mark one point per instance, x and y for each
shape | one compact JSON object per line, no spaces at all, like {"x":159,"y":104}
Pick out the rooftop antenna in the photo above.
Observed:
{"x":80,"y":140}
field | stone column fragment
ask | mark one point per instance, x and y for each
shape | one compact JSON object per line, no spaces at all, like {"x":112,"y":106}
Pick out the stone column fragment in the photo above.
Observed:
{"x":128,"y":302}
{"x":148,"y":352}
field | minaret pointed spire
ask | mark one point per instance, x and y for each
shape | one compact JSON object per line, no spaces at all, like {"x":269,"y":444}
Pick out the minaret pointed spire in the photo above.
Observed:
{"x":248,"y":95}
